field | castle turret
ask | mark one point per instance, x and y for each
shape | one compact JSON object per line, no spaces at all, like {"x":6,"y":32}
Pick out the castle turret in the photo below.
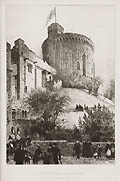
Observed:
{"x":54,"y":29}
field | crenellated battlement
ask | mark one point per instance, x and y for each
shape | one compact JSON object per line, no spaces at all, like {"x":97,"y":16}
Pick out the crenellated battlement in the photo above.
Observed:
{"x":75,"y":37}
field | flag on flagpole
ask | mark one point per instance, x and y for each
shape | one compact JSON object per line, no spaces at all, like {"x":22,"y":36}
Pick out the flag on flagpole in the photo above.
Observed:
{"x":51,"y":15}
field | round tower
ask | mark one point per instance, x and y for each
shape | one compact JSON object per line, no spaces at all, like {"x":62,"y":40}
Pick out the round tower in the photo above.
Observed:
{"x":69,"y":53}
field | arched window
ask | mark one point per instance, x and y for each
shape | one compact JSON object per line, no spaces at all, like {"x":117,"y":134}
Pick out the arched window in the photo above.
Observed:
{"x":30,"y":67}
{"x":78,"y":54}
{"x":84,"y":56}
{"x":43,"y":78}
{"x":13,"y":114}
{"x":50,"y":78}
{"x":78,"y":65}
{"x":84,"y":64}
{"x":23,"y":113}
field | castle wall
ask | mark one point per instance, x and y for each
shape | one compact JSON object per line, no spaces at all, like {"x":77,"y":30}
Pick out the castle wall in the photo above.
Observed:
{"x":9,"y":79}
{"x":38,"y":77}
{"x":9,"y":71}
{"x":30,"y":75}
{"x":29,"y":68}
{"x":25,"y":71}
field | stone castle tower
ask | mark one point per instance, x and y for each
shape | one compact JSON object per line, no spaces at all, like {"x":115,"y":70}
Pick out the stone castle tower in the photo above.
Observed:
{"x":70,"y":54}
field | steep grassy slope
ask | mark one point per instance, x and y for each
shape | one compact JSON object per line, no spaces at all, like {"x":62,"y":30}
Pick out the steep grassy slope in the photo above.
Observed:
{"x":81,"y":97}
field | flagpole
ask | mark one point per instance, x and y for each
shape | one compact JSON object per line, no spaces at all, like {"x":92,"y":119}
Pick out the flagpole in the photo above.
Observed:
{"x":55,"y":16}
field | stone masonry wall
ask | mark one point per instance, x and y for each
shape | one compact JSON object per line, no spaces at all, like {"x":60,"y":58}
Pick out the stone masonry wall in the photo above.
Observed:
{"x":65,"y":53}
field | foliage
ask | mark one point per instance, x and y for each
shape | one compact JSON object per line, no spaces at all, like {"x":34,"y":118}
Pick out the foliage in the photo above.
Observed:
{"x":110,"y":92}
{"x":97,"y":82}
{"x":98,"y":124}
{"x":69,"y":134}
{"x":82,"y":82}
{"x":64,"y":134}
{"x":46,"y":107}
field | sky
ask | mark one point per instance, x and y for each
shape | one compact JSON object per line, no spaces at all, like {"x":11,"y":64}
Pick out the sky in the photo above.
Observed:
{"x":97,"y":22}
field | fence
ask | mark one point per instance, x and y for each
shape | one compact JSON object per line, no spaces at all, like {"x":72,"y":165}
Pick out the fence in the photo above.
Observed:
{"x":65,"y":147}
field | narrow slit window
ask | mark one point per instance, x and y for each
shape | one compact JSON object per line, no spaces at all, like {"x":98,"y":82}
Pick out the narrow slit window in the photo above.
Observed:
{"x":78,"y":65}
{"x":29,"y":67}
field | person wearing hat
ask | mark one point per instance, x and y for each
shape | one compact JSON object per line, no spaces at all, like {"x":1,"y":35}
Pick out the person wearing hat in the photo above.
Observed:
{"x":56,"y":154}
{"x":19,"y":156}
{"x":77,"y":149}
{"x":37,"y":155}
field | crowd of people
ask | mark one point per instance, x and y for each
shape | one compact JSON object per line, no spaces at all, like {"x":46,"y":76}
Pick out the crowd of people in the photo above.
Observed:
{"x":51,"y":156}
{"x":79,"y":108}
{"x":12,"y":141}
{"x":15,"y":139}
{"x":87,"y":150}
{"x":18,"y":148}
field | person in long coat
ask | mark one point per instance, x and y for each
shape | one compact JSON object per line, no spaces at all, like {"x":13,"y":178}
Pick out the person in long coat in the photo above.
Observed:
{"x":112,"y":150}
{"x":19,"y":156}
{"x":37,"y":155}
{"x":56,"y":154}
{"x":28,"y":156}
{"x":77,"y":149}
{"x":99,"y":151}
{"x":87,"y":149}
{"x":46,"y":158}
{"x":50,"y":153}
{"x":108,"y":150}
{"x":84,"y":150}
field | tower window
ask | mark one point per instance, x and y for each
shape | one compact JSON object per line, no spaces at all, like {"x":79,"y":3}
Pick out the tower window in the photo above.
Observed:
{"x":78,"y":54}
{"x":50,"y":78}
{"x":13,"y":114}
{"x":84,"y":64}
{"x":78,"y":65}
{"x":23,"y":114}
{"x":25,"y":90}
{"x":84,"y":56}
{"x":29,"y":67}
{"x":15,"y":85}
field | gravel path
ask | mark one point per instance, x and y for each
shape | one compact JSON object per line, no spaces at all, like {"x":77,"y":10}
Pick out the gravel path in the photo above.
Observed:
{"x":71,"y":160}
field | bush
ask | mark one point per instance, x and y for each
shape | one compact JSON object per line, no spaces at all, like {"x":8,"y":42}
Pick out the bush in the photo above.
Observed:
{"x":98,"y":124}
